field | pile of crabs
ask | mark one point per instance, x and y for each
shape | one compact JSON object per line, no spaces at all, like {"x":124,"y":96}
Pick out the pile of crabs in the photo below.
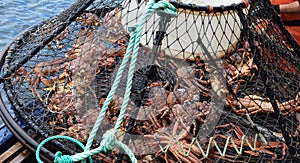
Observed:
{"x":168,"y":107}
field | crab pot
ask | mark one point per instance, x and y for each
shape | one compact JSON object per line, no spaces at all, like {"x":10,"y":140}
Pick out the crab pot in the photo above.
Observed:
{"x":215,"y":82}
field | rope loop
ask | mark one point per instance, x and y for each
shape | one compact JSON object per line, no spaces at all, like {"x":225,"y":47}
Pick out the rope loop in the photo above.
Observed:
{"x":59,"y":158}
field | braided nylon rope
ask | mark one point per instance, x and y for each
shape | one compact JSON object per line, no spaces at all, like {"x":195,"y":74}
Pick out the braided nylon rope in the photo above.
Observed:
{"x":59,"y":158}
{"x":109,"y":140}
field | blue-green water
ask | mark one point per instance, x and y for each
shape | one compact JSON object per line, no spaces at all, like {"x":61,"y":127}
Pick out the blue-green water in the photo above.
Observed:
{"x":17,"y":15}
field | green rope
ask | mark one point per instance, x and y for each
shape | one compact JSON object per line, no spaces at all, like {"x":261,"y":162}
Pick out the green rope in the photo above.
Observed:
{"x":59,"y":158}
{"x":150,"y":8}
{"x":109,"y":140}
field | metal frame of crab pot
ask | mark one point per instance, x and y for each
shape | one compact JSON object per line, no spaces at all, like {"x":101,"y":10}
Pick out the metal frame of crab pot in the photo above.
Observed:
{"x":17,"y":130}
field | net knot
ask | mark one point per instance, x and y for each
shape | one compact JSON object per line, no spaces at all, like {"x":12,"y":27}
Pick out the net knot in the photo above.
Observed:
{"x":108,"y":140}
{"x":59,"y":158}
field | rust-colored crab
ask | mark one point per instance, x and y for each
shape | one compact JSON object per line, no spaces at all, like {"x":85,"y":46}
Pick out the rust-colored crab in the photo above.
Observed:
{"x":61,"y":101}
{"x":77,"y":131}
{"x":253,"y":104}
{"x":43,"y":73}
{"x":89,"y":20}
{"x":243,"y":64}
{"x":177,"y":146}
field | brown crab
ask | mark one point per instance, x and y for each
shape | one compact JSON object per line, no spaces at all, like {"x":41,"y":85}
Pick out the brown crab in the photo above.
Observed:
{"x":253,"y":104}
{"x":77,"y":131}
{"x":41,"y":73}
{"x":61,"y":101}
{"x":177,"y":146}
{"x":243,"y":65}
{"x":19,"y":76}
{"x":89,"y":20}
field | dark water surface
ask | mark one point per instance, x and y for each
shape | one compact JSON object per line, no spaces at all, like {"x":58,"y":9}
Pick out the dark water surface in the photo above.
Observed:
{"x":17,"y":15}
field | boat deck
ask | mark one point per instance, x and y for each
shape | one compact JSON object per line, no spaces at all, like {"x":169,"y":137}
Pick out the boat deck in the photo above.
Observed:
{"x":17,"y":153}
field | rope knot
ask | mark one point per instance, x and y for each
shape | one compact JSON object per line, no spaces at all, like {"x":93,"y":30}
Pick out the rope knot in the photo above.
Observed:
{"x":163,"y":7}
{"x":108,"y":140}
{"x":59,"y":158}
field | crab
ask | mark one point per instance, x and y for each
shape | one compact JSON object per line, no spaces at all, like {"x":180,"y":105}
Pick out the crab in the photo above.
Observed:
{"x":89,"y":20}
{"x":77,"y":131}
{"x":193,"y":76}
{"x":57,"y":41}
{"x":61,"y":101}
{"x":18,"y":76}
{"x":259,"y":147}
{"x":81,"y":67}
{"x":165,"y":106}
{"x":174,"y":137}
{"x":177,"y":146}
{"x":245,"y":69}
{"x":296,"y":133}
{"x":243,"y":65}
{"x":253,"y":104}
{"x":188,"y":75}
{"x":41,"y":73}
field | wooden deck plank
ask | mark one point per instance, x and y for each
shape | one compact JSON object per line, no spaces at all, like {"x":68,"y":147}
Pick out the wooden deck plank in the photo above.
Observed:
{"x":11,"y":151}
{"x":21,"y":157}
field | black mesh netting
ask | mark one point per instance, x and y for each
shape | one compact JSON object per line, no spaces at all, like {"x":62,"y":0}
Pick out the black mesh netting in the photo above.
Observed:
{"x":214,"y":83}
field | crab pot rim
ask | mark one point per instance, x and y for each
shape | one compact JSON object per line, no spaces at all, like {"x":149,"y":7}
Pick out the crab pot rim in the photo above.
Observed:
{"x":18,"y":132}
{"x":22,"y":136}
{"x":209,"y":8}
{"x":75,"y":10}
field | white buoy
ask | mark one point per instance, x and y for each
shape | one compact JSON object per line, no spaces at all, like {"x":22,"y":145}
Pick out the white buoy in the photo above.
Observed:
{"x":218,"y":32}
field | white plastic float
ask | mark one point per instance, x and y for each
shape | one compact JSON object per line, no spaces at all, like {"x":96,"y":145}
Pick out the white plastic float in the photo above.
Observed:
{"x":218,"y":32}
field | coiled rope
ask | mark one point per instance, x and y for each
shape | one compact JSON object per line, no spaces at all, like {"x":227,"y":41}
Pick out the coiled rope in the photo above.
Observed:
{"x":109,"y":140}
